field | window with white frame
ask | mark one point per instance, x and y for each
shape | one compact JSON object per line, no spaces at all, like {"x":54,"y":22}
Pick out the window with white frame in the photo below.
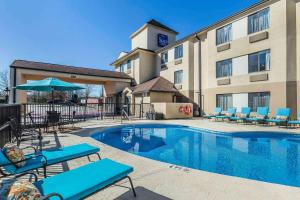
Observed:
{"x":259,"y":61}
{"x":164,"y":57}
{"x":224,"y":34}
{"x":259,"y":21}
{"x":178,"y":76}
{"x":178,"y":53}
{"x":224,"y":68}
{"x":224,"y":101}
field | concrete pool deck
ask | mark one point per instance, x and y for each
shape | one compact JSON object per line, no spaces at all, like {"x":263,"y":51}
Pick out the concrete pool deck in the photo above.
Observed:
{"x":157,"y":180}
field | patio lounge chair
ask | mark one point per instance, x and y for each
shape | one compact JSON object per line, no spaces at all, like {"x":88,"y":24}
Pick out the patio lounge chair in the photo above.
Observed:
{"x":245,"y":112}
{"x":84,"y":181}
{"x":217,"y":112}
{"x":261,"y":115}
{"x":282,"y":116}
{"x":230,"y":113}
{"x":295,"y":122}
{"x":46,"y":158}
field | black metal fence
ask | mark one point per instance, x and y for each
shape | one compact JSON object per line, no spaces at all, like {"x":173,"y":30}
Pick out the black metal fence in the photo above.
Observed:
{"x":74,"y":113}
{"x":6,"y":112}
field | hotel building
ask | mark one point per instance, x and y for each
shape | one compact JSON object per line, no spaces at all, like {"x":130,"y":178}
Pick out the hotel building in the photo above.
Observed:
{"x":248,"y":59}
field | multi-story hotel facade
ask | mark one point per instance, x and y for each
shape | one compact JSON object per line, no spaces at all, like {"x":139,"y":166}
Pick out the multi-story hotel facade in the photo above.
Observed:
{"x":248,"y":59}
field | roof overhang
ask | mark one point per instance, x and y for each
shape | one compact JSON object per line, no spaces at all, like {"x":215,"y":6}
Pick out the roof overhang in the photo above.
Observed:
{"x":129,"y":54}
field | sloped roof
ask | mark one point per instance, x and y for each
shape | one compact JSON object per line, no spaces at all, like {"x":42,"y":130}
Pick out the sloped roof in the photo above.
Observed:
{"x":158,"y":84}
{"x":24,"y":64}
{"x":158,"y":24}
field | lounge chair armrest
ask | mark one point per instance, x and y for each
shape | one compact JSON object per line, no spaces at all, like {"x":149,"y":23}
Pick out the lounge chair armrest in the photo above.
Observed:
{"x":30,"y":147}
{"x":52,"y":195}
{"x":29,"y":158}
{"x":28,"y":173}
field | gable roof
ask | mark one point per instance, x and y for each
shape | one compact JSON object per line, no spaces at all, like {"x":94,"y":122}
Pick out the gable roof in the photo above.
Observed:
{"x":130,"y":53}
{"x":158,"y":84}
{"x":24,"y":64}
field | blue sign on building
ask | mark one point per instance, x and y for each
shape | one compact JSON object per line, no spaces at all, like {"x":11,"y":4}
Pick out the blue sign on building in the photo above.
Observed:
{"x":162,"y":40}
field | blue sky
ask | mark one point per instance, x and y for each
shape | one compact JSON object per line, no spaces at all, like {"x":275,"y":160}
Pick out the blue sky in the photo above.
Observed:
{"x":91,"y":33}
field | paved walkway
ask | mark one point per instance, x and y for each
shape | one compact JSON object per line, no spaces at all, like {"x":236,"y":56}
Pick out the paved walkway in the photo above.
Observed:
{"x":161,"y":181}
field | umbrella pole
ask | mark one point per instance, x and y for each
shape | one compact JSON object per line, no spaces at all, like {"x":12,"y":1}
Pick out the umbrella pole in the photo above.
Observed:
{"x":52,"y":94}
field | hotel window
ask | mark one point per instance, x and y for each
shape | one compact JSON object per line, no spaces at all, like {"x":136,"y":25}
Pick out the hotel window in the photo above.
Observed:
{"x":258,"y":21}
{"x":128,"y":65}
{"x":178,"y":75}
{"x":122,"y":67}
{"x":178,"y":53}
{"x":224,"y":34}
{"x":224,"y":68}
{"x":224,"y":101}
{"x":164,"y":57}
{"x":259,"y":61}
{"x":258,"y":99}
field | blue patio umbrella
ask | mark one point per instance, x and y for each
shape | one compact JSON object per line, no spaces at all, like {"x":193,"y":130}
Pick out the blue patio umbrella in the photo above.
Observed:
{"x":49,"y":85}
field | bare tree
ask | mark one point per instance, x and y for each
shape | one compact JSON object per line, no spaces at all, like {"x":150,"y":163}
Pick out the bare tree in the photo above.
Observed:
{"x":4,"y":81}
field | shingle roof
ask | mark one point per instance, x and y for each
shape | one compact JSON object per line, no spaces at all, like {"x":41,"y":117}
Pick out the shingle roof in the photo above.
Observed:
{"x":158,"y":24}
{"x":24,"y":64}
{"x":158,"y":84}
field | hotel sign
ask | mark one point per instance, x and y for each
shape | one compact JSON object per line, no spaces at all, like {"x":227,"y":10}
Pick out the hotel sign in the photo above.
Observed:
{"x":162,"y":40}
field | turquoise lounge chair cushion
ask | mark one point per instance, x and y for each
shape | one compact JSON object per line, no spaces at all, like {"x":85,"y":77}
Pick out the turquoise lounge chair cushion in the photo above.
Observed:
{"x":294,"y":122}
{"x":69,"y":152}
{"x":275,"y":120}
{"x":85,"y":180}
{"x":30,"y":164}
{"x":53,"y":156}
{"x":3,"y":160}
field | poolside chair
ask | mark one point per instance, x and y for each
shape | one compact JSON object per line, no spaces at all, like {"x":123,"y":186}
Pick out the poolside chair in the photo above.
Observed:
{"x":295,"y":122}
{"x":245,"y":112}
{"x":230,"y":113}
{"x":84,"y":181}
{"x":217,"y":112}
{"x":282,"y":116}
{"x":45,"y":158}
{"x":261,"y":115}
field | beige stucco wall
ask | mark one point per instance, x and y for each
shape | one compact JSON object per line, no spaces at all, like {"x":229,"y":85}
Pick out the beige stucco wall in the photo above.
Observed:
{"x":147,"y":37}
{"x":146,"y":70}
{"x":277,"y":43}
{"x":153,"y":31}
{"x":172,"y":110}
{"x":140,"y":40}
{"x":298,"y":51}
{"x":161,"y":97}
{"x":187,"y":65}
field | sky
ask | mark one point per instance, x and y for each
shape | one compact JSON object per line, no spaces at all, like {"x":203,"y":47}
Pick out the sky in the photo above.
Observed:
{"x":91,"y":33}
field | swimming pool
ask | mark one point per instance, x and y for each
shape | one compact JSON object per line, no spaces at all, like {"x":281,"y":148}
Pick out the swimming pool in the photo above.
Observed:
{"x":263,"y":156}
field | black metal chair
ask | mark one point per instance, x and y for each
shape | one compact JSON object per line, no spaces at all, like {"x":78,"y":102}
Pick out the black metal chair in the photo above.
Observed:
{"x":22,"y":133}
{"x":52,"y":119}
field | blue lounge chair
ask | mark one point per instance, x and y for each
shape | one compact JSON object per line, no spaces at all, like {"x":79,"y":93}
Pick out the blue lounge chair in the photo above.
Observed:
{"x":84,"y":181}
{"x":261,"y":115}
{"x":46,"y":158}
{"x":217,"y":112}
{"x":230,"y":113}
{"x":245,"y":112}
{"x":282,"y":116}
{"x":295,"y":122}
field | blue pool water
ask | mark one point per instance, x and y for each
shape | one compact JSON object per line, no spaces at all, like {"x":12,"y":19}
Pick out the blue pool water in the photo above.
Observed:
{"x":263,"y":156}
